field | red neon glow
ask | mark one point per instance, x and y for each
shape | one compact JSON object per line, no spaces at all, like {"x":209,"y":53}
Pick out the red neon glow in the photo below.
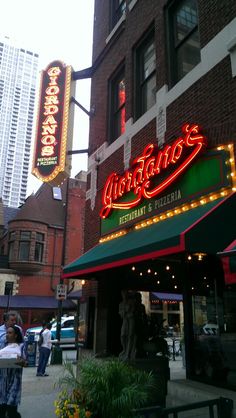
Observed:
{"x":122,"y":103}
{"x":148,"y":166}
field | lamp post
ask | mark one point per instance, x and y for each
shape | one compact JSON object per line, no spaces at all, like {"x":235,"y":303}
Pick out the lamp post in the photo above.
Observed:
{"x":57,"y":352}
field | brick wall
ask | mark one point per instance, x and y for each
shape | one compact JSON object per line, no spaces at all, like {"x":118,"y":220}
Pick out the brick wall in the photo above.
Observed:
{"x":209,"y":102}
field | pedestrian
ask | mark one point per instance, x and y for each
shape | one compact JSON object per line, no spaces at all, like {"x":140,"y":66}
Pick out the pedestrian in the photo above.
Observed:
{"x":10,"y":318}
{"x":45,"y":350}
{"x":11,"y":378}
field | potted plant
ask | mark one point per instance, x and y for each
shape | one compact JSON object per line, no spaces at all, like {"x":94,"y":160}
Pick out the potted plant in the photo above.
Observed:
{"x":104,"y":388}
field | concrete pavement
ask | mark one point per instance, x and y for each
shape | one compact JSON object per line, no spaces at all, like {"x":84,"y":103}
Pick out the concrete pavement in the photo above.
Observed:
{"x":39,"y":393}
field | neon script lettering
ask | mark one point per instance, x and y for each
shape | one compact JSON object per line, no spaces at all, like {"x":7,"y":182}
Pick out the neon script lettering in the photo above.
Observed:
{"x":149,"y":165}
{"x":50,"y":124}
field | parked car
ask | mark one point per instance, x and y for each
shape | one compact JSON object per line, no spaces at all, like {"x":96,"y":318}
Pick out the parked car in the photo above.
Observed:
{"x":67,"y":330}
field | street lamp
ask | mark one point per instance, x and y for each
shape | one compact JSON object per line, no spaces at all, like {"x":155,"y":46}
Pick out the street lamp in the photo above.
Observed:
{"x":57,"y":352}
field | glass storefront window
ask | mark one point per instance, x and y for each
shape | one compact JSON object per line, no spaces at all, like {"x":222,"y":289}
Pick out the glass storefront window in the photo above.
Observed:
{"x":214,"y":328}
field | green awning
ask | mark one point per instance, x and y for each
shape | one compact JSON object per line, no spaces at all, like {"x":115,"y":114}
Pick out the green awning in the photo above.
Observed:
{"x":207,"y":228}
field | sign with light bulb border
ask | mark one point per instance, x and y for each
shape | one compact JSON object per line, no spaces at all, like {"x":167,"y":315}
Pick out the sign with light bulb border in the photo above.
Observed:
{"x":161,"y":183}
{"x":54,"y":125}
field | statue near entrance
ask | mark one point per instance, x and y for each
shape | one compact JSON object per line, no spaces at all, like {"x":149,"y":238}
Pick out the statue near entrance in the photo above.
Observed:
{"x":127,"y":335}
{"x":133,"y":315}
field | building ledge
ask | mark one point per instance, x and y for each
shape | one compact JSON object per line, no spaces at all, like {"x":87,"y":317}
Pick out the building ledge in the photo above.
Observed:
{"x":26,"y":266}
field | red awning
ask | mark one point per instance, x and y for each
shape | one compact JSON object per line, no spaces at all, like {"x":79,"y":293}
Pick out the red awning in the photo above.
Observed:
{"x":229,"y":263}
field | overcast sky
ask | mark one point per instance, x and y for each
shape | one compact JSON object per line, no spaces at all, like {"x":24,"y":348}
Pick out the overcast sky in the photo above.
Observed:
{"x":55,"y":30}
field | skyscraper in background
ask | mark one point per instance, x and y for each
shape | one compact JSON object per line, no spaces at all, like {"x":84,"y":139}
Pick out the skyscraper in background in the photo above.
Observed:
{"x":18,"y":79}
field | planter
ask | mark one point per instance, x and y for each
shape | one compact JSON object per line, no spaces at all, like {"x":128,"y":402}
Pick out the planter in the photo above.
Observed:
{"x":159,"y":366}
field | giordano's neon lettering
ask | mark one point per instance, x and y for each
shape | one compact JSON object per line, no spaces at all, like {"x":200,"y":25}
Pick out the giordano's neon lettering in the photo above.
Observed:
{"x":50,"y":124}
{"x":148,"y":166}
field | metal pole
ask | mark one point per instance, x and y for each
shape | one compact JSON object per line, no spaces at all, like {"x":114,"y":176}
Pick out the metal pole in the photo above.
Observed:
{"x":78,"y":349}
{"x":57,"y":358}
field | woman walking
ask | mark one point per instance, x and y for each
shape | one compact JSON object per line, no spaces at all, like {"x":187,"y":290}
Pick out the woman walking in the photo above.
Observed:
{"x":11,"y":378}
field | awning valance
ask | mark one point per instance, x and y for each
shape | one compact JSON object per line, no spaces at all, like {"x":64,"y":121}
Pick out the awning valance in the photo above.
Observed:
{"x":166,"y":296}
{"x":33,"y":302}
{"x":207,"y":228}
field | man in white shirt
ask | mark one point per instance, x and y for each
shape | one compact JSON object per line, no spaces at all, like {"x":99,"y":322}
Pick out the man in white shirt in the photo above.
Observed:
{"x":10,"y":318}
{"x":44,"y":350}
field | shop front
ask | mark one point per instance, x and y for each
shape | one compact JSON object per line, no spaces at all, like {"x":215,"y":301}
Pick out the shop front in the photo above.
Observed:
{"x":162,"y":224}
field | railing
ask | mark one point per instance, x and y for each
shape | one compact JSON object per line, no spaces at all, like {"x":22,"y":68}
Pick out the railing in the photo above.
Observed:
{"x":217,"y":408}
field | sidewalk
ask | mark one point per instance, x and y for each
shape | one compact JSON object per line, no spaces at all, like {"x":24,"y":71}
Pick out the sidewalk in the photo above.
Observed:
{"x":39,"y":393}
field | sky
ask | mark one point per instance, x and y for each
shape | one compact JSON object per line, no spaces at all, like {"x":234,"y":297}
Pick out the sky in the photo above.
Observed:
{"x":55,"y":30}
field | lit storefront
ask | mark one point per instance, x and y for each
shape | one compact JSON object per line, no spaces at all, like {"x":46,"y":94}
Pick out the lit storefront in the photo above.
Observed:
{"x":162,"y":224}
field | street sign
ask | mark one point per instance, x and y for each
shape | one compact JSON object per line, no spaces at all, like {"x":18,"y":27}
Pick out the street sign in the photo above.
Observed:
{"x":61,"y":293}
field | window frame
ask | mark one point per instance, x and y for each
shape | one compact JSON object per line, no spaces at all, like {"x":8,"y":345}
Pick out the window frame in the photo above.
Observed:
{"x":116,"y":12}
{"x":139,"y":81}
{"x":24,"y":239}
{"x":172,"y":47}
{"x":115,"y":131}
{"x":39,"y":246}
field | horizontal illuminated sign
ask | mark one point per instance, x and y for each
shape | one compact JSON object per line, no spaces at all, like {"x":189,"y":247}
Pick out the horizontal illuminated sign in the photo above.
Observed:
{"x":51,"y":140}
{"x":168,"y":164}
{"x":206,"y":177}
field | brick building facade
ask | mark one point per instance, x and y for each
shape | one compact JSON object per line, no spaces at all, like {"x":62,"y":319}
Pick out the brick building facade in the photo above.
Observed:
{"x":46,"y":233}
{"x":156,"y":68}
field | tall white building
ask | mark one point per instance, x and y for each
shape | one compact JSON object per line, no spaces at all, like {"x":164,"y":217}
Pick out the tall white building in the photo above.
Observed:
{"x":18,"y":80}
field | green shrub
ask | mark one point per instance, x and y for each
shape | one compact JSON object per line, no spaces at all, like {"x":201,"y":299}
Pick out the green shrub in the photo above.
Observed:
{"x":108,"y":388}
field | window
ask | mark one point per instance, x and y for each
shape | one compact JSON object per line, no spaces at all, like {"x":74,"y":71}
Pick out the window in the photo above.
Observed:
{"x":117,"y":10}
{"x":24,"y":245}
{"x":117,"y":106}
{"x":8,"y":288}
{"x":184,"y":39}
{"x":39,"y":245}
{"x":12,"y":238}
{"x":11,"y":250}
{"x":12,"y":235}
{"x":56,"y":191}
{"x":145,"y":55}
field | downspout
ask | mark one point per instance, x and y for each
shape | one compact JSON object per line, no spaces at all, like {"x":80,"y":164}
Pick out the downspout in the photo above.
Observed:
{"x":53,"y":262}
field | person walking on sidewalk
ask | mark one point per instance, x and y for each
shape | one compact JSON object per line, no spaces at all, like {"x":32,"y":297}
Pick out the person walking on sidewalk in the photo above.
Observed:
{"x":44,"y":350}
{"x":11,"y":378}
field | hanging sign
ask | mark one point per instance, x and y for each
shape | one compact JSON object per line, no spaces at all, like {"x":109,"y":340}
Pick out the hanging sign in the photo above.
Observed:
{"x":51,"y":143}
{"x":168,"y":164}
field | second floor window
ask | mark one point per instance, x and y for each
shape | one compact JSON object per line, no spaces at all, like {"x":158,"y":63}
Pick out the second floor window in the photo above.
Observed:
{"x":117,"y":106}
{"x":117,"y":10}
{"x":39,"y":245}
{"x":145,"y":56}
{"x":184,"y":38}
{"x":24,"y":245}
